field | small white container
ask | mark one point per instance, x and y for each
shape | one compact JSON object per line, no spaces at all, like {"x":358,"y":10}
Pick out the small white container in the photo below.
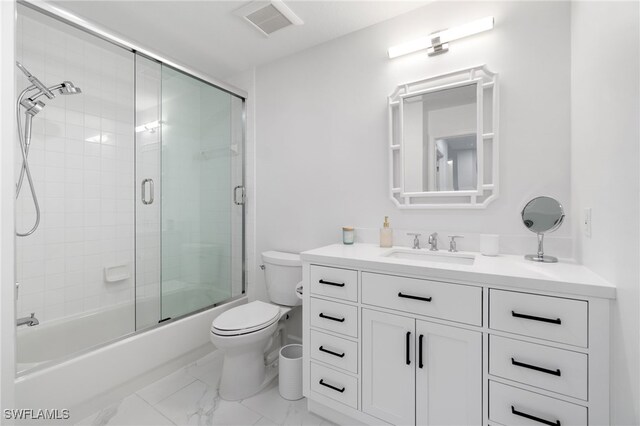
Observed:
{"x":290,"y":371}
{"x":489,"y":244}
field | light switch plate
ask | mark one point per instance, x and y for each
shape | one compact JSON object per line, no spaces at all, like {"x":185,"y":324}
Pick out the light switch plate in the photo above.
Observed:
{"x":586,"y":222}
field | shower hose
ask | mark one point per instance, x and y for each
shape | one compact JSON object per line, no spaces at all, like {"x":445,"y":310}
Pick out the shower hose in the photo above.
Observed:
{"x":24,"y":139}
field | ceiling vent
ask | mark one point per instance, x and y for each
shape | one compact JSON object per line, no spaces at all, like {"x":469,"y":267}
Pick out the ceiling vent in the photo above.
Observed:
{"x":268,"y":16}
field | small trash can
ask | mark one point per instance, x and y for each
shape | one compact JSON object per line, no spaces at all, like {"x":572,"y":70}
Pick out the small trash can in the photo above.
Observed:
{"x":290,"y":371}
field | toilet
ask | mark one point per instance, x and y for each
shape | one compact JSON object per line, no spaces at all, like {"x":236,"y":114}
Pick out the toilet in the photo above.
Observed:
{"x":244,"y":333}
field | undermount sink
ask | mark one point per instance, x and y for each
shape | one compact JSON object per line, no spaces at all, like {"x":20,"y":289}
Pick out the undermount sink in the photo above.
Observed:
{"x":431,"y":256}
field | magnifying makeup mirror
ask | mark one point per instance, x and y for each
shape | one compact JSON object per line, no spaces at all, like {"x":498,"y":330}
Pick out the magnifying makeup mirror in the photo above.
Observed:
{"x":541,"y":215}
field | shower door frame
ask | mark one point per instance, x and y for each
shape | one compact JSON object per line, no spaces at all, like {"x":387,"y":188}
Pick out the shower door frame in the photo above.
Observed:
{"x":96,"y":30}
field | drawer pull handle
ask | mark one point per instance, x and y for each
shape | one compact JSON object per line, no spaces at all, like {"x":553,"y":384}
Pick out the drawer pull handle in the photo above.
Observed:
{"x":534,"y":367}
{"x":408,"y":296}
{"x":331,"y":283}
{"x":531,"y":317}
{"x":408,"y":347}
{"x":331,"y":318}
{"x":534,"y":418}
{"x":332,"y":387}
{"x":420,"y":339}
{"x":331,"y":352}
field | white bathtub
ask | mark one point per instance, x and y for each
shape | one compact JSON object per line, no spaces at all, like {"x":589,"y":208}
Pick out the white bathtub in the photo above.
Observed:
{"x":59,"y":339}
{"x":84,"y":379}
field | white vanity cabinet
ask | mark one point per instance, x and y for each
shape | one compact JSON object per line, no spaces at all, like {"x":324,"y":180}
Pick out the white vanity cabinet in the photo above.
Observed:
{"x":419,"y":372}
{"x":387,"y":343}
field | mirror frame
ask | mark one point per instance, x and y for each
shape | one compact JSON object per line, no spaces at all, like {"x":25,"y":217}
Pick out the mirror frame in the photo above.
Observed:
{"x":486,"y":192}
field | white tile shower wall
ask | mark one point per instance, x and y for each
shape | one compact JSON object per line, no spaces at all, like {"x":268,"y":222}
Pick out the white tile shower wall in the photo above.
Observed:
{"x":82,"y":160}
{"x":321,"y":125}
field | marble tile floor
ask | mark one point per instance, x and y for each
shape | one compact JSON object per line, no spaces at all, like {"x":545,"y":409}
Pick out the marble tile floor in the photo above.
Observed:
{"x":189,"y":396}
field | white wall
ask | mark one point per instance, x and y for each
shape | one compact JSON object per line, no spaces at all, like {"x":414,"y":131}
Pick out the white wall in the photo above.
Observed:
{"x":605,"y":156}
{"x":7,"y":191}
{"x":321,"y":125}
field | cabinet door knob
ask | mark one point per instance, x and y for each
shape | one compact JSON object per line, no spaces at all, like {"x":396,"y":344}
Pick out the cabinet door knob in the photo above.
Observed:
{"x":420,"y":339}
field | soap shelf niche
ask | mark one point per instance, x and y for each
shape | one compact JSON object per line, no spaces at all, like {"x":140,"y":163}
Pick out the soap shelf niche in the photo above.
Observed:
{"x":117,"y":273}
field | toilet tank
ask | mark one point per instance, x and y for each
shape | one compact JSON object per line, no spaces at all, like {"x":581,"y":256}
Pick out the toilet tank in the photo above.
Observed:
{"x":283,"y":271}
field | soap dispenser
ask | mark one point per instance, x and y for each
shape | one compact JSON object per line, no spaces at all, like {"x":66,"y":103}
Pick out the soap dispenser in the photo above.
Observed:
{"x":386,"y":234}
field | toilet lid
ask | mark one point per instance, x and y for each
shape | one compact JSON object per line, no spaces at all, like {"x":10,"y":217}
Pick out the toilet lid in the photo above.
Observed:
{"x":247,"y":318}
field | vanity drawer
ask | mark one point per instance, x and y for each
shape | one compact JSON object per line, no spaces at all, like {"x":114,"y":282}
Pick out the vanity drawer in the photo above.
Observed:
{"x":334,"y":316}
{"x":553,"y":369}
{"x":334,"y":384}
{"x":544,"y":317}
{"x":513,"y":406}
{"x":455,"y":302}
{"x":334,"y":282}
{"x":333,"y":350}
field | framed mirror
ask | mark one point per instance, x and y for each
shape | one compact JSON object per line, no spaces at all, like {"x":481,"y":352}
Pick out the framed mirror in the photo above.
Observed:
{"x":444,"y":141}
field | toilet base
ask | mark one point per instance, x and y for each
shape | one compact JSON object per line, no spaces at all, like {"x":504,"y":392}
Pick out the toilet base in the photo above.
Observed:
{"x":245,"y":374}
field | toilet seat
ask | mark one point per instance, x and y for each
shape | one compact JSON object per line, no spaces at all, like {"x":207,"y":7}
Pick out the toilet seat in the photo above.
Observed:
{"x":245,"y":319}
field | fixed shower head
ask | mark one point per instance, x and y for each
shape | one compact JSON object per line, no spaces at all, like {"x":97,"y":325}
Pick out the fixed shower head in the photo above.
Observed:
{"x":68,"y":88}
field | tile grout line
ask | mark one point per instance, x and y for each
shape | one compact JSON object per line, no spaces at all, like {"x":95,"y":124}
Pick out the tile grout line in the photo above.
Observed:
{"x":185,"y":386}
{"x":155,"y":409}
{"x":173,"y":393}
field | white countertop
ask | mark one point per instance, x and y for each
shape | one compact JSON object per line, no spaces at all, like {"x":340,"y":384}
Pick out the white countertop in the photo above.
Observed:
{"x":566,"y":276}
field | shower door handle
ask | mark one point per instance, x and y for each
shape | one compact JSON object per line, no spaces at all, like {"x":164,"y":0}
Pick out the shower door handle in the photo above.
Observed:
{"x":144,"y":191}
{"x":239,"y":202}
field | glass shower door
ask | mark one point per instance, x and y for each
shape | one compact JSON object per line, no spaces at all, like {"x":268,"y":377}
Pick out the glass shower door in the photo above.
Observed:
{"x":201,"y":224}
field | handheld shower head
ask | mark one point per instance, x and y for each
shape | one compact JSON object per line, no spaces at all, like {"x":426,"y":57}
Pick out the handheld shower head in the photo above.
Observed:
{"x":32,"y":107}
{"x":35,"y":81}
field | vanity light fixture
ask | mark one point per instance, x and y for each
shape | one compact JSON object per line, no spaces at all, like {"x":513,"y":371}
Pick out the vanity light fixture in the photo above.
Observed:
{"x":438,"y":42}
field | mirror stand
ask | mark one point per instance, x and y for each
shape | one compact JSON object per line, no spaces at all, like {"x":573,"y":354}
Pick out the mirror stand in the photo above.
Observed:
{"x":540,"y":257}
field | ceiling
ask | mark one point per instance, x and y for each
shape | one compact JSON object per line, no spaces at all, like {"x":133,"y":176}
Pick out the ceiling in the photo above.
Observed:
{"x":208,"y":37}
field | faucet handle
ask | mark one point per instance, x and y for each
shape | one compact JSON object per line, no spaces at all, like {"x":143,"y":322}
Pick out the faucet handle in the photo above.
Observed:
{"x":452,"y":243}
{"x":416,"y":240}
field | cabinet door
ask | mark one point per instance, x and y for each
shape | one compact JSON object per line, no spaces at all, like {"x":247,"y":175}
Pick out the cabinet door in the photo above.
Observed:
{"x":388,"y":367}
{"x":448,"y":375}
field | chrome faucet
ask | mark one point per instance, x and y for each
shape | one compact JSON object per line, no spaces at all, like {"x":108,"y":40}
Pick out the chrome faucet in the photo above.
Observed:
{"x":433,"y":242}
{"x":28,"y":321}
{"x":416,"y":240}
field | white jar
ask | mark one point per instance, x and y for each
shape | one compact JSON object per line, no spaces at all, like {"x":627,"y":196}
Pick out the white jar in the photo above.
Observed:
{"x":489,"y":244}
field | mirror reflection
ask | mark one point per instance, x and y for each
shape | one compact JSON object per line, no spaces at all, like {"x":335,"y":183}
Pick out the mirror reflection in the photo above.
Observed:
{"x":439,"y":143}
